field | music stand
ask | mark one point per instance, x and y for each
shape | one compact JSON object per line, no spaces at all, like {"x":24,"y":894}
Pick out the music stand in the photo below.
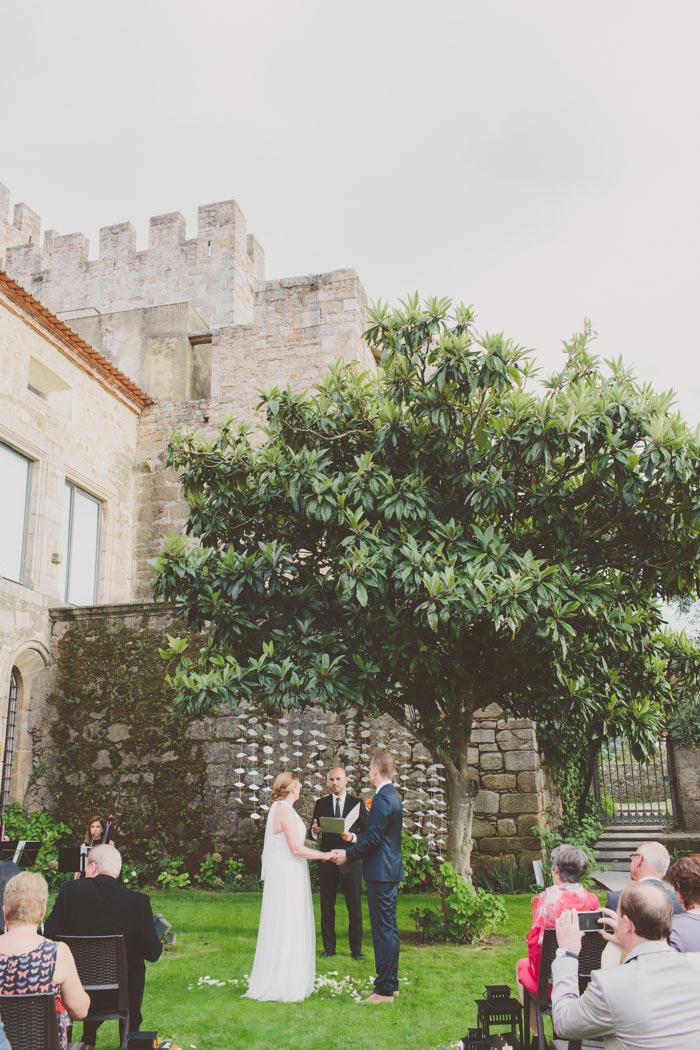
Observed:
{"x":72,"y":858}
{"x":23,"y":852}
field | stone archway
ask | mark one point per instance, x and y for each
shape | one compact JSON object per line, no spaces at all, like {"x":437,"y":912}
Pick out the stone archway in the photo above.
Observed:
{"x":15,"y":738}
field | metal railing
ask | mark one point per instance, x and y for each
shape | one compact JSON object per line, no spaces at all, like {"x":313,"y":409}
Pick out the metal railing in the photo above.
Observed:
{"x":631,"y":792}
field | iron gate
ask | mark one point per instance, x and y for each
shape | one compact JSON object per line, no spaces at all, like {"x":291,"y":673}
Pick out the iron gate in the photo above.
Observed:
{"x":631,"y":792}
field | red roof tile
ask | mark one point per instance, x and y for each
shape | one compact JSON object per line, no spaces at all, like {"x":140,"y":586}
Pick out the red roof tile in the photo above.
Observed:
{"x":70,"y":343}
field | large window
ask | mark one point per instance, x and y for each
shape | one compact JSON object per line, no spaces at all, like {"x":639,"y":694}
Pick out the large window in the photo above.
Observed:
{"x":81,"y":545}
{"x":14,"y":489}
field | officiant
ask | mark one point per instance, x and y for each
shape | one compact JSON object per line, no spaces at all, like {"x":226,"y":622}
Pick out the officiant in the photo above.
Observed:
{"x":331,"y":877}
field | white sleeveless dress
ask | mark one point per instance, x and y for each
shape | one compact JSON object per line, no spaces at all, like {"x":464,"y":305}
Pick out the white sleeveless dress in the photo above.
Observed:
{"x":285,"y":955}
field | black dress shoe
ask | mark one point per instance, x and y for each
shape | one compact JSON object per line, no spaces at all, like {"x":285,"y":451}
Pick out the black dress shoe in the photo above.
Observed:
{"x":327,"y":955}
{"x":359,"y":955}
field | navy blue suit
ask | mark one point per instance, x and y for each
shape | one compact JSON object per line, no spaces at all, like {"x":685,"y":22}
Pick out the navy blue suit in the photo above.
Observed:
{"x":382,"y":867}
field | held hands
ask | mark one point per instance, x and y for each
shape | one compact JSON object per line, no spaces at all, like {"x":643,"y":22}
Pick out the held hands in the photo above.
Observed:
{"x":338,"y":856}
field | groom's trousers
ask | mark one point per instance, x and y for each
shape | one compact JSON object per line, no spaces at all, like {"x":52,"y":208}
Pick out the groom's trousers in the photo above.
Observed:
{"x":381,"y":899}
{"x":330,"y":879}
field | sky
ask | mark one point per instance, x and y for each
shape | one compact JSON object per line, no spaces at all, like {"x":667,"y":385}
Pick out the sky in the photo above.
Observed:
{"x":537,"y":159}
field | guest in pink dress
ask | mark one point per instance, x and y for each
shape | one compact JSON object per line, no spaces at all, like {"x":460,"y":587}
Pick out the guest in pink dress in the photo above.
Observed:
{"x":568,"y":866}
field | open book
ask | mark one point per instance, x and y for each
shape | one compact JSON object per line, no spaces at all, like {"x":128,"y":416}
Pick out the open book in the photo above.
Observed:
{"x":337,"y":825}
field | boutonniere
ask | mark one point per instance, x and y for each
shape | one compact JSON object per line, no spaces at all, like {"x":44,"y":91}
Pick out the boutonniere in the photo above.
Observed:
{"x":368,"y":803}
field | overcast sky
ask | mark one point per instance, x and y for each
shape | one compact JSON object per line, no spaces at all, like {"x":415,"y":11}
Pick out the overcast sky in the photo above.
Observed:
{"x":538,"y":159}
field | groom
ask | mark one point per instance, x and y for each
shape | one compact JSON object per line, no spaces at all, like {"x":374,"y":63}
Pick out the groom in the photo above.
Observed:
{"x":380,"y":853}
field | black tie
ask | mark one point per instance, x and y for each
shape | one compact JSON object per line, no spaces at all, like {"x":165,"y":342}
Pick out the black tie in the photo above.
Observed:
{"x":337,"y":808}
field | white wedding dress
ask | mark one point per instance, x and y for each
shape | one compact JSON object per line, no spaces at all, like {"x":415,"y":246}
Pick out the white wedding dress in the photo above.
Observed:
{"x":285,"y":955}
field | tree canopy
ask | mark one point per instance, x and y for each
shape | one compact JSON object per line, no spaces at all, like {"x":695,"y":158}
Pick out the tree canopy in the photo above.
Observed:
{"x":440,"y":535}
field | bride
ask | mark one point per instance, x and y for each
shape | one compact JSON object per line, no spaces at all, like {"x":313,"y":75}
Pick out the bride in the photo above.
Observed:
{"x":285,"y":956}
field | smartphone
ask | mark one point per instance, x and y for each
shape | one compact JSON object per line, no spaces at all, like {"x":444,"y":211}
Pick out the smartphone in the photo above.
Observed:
{"x":588,"y":920}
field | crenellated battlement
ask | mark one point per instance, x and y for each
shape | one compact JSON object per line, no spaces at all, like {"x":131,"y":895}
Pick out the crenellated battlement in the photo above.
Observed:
{"x":215,"y":271}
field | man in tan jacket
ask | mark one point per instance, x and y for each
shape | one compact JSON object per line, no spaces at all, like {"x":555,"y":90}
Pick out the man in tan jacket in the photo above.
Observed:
{"x":651,"y":1001}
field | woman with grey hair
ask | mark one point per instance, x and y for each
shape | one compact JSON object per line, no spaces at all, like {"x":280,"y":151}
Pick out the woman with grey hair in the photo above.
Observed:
{"x":566,"y":892}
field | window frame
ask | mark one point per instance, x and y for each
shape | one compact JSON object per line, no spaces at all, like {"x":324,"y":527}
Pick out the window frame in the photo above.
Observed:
{"x":73,"y":487}
{"x":25,"y":514}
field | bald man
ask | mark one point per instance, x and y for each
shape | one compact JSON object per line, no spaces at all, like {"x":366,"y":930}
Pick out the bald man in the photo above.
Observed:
{"x":649,"y":863}
{"x":330,"y":876}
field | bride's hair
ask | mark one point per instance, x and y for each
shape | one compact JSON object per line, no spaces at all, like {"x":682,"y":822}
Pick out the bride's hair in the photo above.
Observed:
{"x":284,"y":783}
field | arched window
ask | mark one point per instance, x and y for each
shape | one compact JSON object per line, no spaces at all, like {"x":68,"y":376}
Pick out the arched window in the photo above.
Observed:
{"x":9,"y":740}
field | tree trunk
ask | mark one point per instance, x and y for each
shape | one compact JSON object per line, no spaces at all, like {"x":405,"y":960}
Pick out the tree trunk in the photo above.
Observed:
{"x":461,"y":790}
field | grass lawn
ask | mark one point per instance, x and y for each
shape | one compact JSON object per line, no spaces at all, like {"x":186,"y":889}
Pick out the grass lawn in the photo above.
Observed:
{"x":216,"y":934}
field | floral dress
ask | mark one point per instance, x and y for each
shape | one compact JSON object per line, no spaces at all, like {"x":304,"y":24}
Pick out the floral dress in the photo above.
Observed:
{"x":32,"y":972}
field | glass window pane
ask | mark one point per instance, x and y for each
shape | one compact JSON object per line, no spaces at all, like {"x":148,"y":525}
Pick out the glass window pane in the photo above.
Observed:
{"x":84,"y":536}
{"x":65,"y":535}
{"x":14,"y":486}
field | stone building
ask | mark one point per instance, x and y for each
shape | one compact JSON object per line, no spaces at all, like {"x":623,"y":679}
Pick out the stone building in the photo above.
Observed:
{"x":199,"y":331}
{"x":68,"y":438}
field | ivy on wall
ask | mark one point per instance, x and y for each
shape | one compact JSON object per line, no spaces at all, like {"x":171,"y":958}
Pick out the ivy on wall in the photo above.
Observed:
{"x":118,"y":746}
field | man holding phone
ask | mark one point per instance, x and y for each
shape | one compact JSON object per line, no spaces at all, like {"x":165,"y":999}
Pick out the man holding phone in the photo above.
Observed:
{"x":652,"y":999}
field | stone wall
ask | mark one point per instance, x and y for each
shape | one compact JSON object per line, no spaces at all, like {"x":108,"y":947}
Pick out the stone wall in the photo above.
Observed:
{"x":216,"y":271}
{"x":104,"y":726}
{"x":161,"y":348}
{"x":69,"y":427}
{"x":302,"y":326}
{"x":515,"y":790}
{"x":686,"y":775}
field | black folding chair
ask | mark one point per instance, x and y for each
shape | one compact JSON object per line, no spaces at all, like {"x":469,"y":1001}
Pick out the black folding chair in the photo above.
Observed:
{"x":101,"y":965}
{"x":30,"y":1021}
{"x":592,"y":947}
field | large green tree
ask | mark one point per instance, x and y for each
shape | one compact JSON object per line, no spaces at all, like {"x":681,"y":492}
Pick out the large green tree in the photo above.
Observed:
{"x":441,"y":535}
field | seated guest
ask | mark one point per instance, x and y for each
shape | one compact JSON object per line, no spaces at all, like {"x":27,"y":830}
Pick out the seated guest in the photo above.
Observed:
{"x":99,"y":904}
{"x":649,"y":863}
{"x":568,"y":866}
{"x":651,"y":1001}
{"x":31,"y":963}
{"x":684,"y":876}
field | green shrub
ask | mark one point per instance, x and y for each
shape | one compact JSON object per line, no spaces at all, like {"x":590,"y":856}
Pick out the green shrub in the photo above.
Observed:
{"x":684,"y":727}
{"x":172,"y":877}
{"x":236,"y":878}
{"x":51,"y":832}
{"x":211,"y":871}
{"x":466,"y":915}
{"x":507,"y":878}
{"x":420,"y":869}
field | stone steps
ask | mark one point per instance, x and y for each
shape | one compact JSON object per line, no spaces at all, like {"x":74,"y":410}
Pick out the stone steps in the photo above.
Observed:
{"x":616,"y":845}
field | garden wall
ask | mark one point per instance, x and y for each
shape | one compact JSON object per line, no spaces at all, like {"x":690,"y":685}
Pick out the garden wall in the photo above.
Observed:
{"x":106,"y":739}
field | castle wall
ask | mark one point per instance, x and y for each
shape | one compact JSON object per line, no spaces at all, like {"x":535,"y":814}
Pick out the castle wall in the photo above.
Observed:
{"x":301,"y":326}
{"x":216,"y":271}
{"x":24,"y":227}
{"x":153,"y":346}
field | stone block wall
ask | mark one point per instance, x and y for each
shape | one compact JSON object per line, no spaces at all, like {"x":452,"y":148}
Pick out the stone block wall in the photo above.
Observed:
{"x":686,"y":775}
{"x":301,"y":326}
{"x":215,"y":271}
{"x":515,"y":791}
